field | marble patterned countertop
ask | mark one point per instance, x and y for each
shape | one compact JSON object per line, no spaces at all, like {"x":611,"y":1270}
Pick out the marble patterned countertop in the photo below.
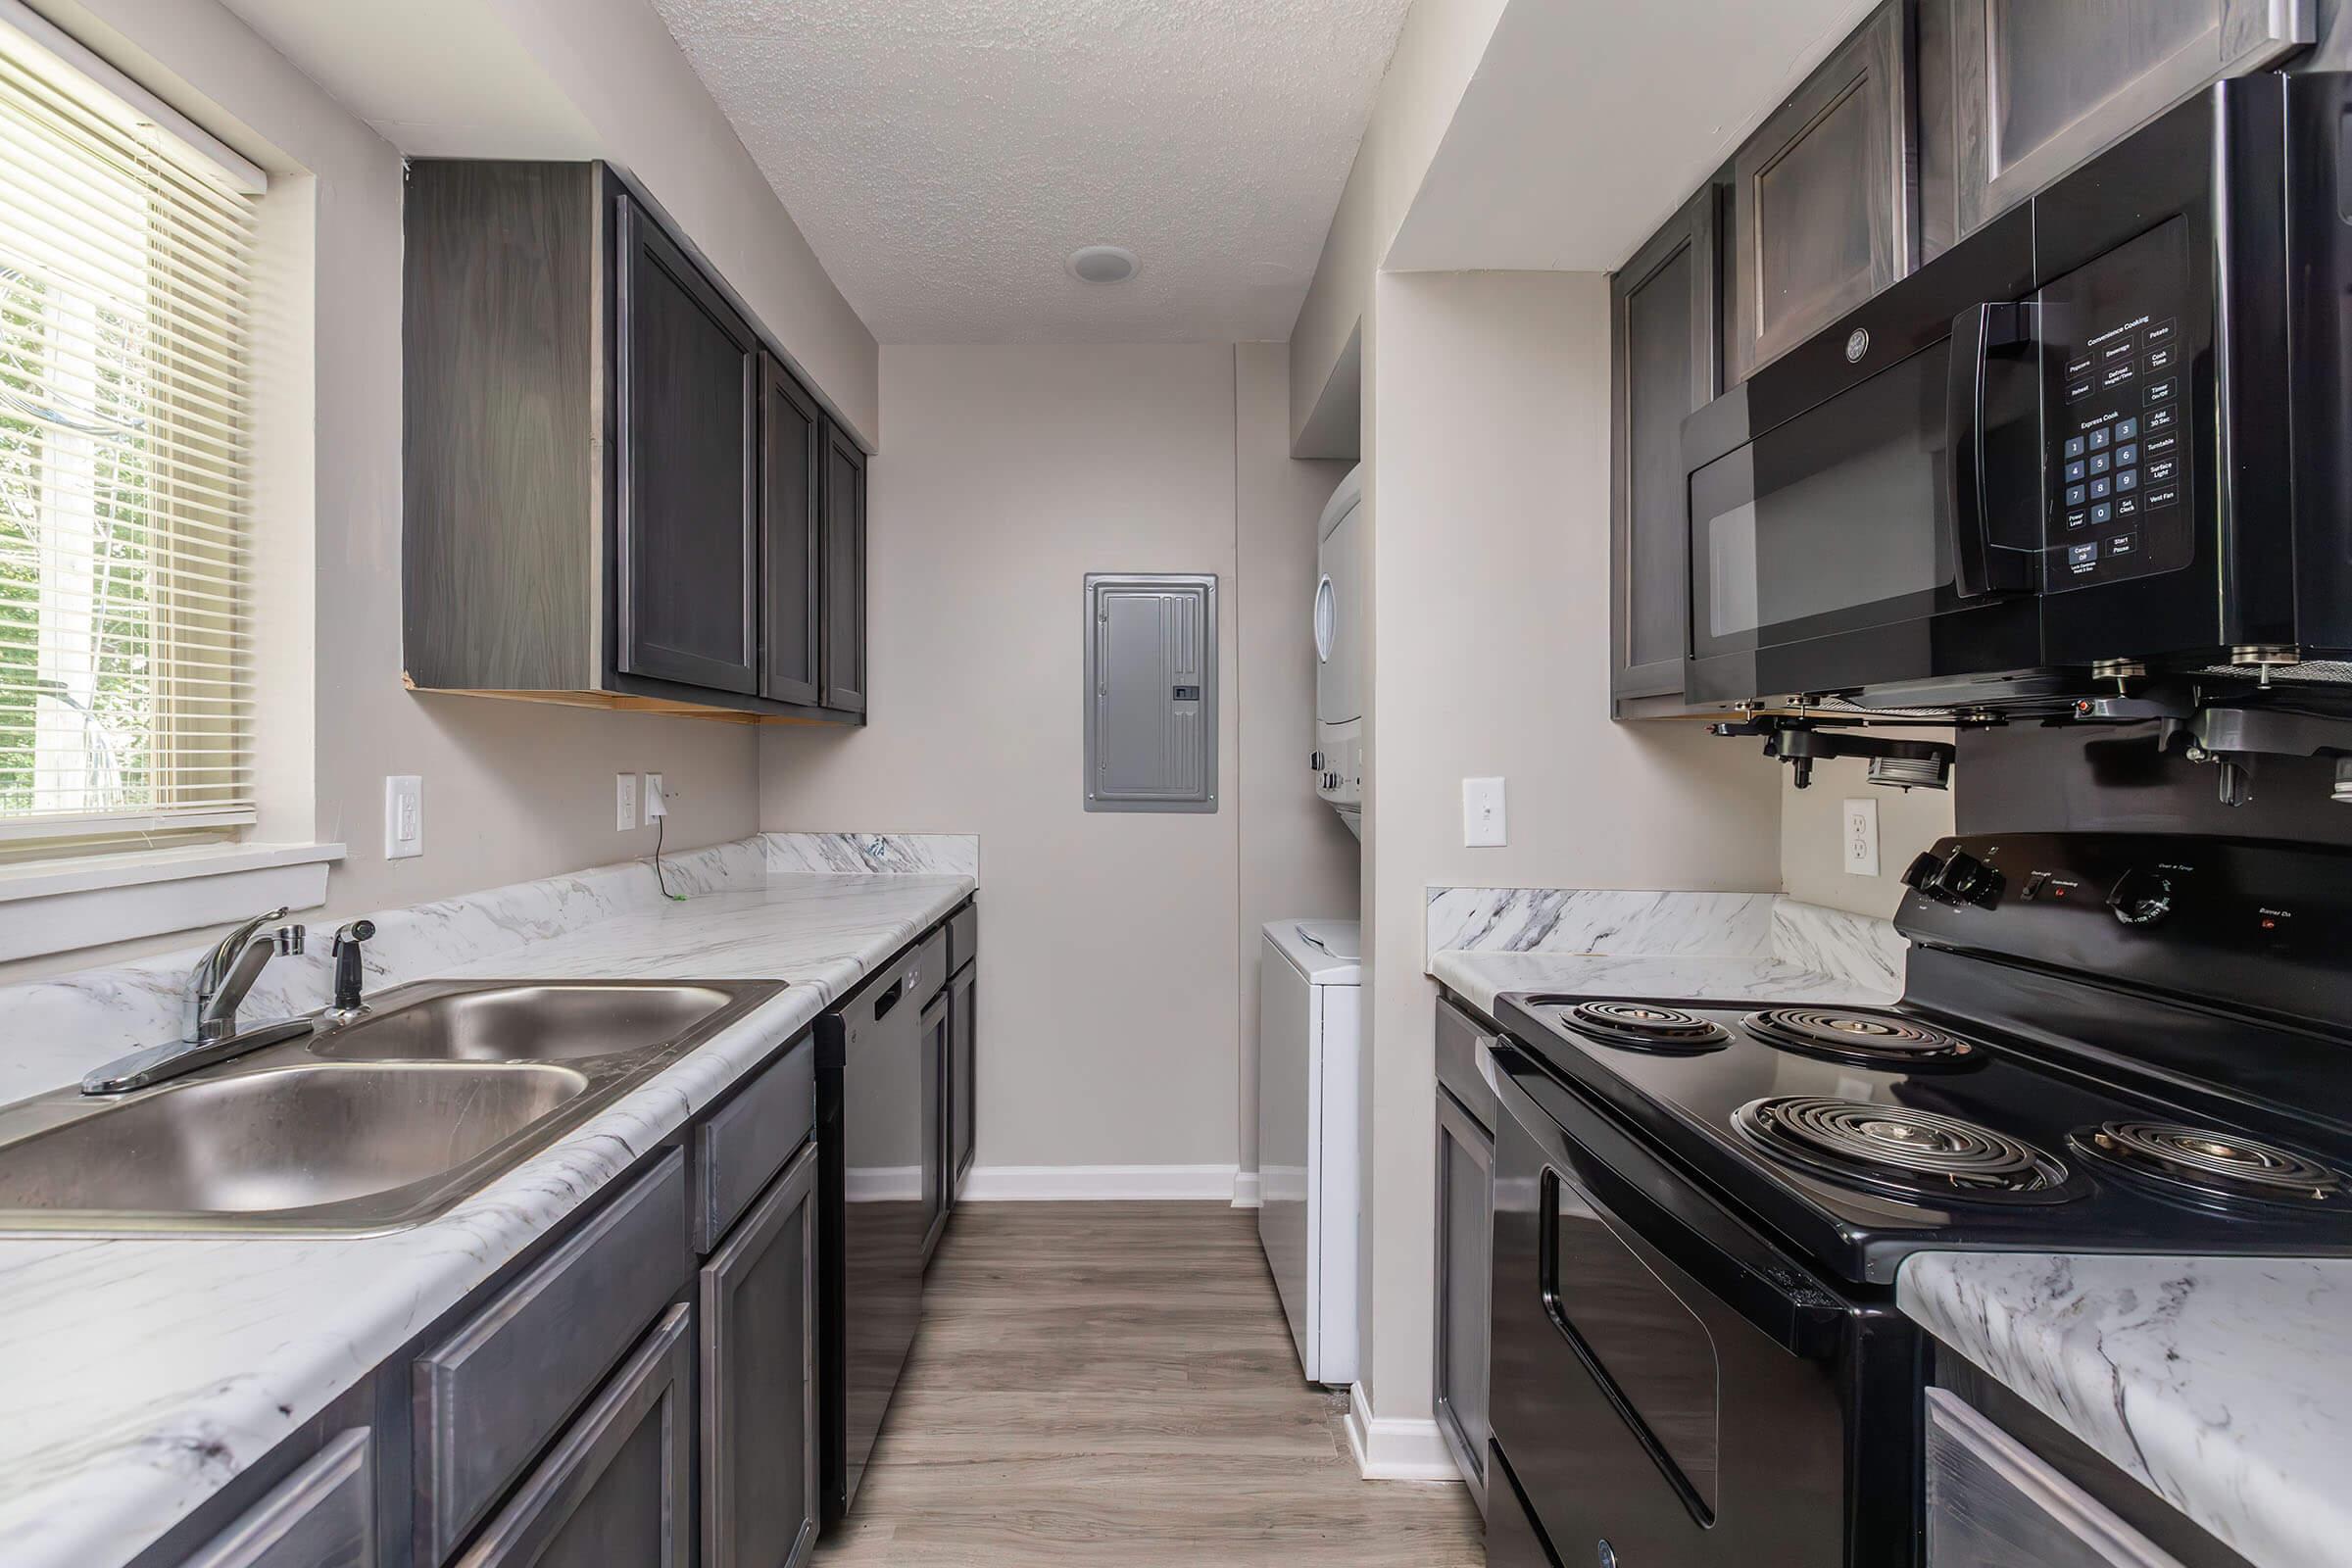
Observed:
{"x":141,"y":1374}
{"x":1739,"y":947}
{"x":2222,"y":1383}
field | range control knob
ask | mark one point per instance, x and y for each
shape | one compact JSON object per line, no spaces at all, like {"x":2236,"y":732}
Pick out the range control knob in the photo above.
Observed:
{"x":2140,"y":896}
{"x":1965,"y":879}
{"x":1920,"y":874}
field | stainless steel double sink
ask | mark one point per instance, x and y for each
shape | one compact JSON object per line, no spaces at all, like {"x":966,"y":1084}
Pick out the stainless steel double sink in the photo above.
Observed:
{"x":372,"y":1125}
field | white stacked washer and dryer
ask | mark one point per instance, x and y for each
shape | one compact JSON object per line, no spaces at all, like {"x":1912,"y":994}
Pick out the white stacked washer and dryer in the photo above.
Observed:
{"x":1309,"y":1025}
{"x":1338,"y":617}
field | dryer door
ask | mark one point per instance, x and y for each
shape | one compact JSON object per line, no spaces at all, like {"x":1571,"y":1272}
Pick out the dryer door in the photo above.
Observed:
{"x":1338,"y":624}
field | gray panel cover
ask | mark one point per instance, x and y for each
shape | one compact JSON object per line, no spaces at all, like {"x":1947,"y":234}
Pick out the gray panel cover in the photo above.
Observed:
{"x":1151,"y":692}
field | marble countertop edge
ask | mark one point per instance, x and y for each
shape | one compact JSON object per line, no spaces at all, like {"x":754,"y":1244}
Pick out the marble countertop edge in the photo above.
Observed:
{"x":2220,"y":1383}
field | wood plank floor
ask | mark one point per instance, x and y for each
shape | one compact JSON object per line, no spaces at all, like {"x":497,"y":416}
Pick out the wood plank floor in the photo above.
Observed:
{"x":1113,"y":1384}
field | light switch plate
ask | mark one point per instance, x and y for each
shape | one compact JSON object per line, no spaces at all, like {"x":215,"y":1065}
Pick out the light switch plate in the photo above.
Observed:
{"x":404,"y":816}
{"x":657,"y":799}
{"x":1481,"y":813}
{"x":1861,"y":838}
{"x":624,"y":802}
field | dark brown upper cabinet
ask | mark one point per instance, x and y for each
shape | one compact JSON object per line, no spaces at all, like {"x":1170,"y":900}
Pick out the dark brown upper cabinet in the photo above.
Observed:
{"x":1664,"y":361}
{"x":844,"y":563}
{"x":616,"y":494}
{"x":1821,"y":208}
{"x":792,"y":470}
{"x":2039,"y":88}
{"x":689,"y":422}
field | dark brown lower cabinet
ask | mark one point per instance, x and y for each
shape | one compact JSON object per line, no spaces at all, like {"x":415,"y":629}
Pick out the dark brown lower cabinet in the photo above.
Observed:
{"x":1465,"y":1216}
{"x":938,"y":1174}
{"x":617,"y":1486}
{"x":962,"y":1064}
{"x":758,"y":1420}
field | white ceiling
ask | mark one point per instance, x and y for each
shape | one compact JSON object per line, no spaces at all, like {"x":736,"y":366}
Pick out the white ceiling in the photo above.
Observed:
{"x":1586,"y":124}
{"x":944,"y":157}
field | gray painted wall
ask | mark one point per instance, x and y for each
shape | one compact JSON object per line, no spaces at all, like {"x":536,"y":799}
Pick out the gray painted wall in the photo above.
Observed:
{"x":1115,"y":944}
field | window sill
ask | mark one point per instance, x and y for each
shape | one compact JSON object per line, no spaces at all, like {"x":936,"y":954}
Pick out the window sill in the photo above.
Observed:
{"x":51,"y":906}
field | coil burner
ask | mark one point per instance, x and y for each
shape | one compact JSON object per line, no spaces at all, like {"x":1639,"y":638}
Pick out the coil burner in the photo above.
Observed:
{"x":2220,"y":1169}
{"x":1900,"y":1152}
{"x":1642,"y":1026}
{"x":1863,"y":1039}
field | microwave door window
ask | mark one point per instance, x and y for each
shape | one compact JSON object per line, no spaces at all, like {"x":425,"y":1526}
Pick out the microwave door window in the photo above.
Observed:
{"x":1831,"y":522}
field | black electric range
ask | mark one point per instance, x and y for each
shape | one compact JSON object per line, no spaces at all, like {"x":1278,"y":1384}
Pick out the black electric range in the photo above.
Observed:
{"x":2107,"y":1042}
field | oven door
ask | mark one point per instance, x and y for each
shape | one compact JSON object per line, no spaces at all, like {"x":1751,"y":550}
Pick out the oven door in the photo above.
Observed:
{"x":1866,"y":510}
{"x":1668,"y":1388}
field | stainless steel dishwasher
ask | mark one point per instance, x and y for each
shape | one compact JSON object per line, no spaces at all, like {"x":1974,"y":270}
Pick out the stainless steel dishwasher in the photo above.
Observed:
{"x":872,"y":1216}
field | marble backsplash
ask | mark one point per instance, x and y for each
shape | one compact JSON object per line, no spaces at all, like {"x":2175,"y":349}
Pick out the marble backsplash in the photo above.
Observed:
{"x":867,"y":854}
{"x":1754,"y":927}
{"x":54,"y":1029}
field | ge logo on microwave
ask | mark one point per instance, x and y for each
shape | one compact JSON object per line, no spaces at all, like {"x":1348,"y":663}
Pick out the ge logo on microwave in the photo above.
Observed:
{"x":1857,"y":344}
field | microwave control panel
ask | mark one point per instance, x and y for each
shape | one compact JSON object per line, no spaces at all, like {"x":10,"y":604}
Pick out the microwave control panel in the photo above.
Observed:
{"x":2118,"y":417}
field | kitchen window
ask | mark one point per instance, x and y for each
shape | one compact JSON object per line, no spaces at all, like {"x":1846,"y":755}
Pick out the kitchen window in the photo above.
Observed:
{"x":128,"y":245}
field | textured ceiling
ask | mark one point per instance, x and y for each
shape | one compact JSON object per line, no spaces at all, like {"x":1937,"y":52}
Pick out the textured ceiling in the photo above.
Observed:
{"x":944,"y":157}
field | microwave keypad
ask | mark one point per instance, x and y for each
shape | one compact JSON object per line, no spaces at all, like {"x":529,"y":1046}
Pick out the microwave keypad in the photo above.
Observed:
{"x":2115,"y":395}
{"x":2117,"y":468}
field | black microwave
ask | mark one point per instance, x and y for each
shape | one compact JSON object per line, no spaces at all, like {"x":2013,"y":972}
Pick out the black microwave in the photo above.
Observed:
{"x":2109,"y":432}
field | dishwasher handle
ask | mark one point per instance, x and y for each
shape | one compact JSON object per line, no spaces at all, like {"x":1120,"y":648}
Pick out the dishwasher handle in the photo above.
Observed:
{"x":888,"y":999}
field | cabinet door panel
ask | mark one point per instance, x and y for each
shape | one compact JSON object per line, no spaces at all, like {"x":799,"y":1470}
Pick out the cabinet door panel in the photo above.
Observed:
{"x":616,"y":1486}
{"x":760,"y":1434}
{"x":1665,"y":362}
{"x":1465,"y":1266}
{"x":1992,"y":1501}
{"x":1822,"y":196}
{"x":2037,"y":88}
{"x":487,"y":1398}
{"x":936,"y":1090}
{"x":963,"y":1023}
{"x":687,"y":535}
{"x":844,"y":564}
{"x":321,"y":1516}
{"x":790,"y":487}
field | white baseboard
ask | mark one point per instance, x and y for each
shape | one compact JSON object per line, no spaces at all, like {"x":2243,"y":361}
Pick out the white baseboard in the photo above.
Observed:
{"x":1045,"y":1184}
{"x":1395,"y":1447}
{"x":1245,"y":1190}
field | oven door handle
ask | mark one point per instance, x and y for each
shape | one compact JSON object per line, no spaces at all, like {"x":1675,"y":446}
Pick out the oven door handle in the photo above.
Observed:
{"x":1980,"y":564}
{"x":1631,"y":1190}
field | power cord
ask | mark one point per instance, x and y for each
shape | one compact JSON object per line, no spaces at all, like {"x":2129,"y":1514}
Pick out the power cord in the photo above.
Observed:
{"x":660,"y":877}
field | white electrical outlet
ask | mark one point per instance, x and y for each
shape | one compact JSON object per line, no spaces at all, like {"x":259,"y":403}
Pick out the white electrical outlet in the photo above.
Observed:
{"x":624,"y":802}
{"x":657,"y":799}
{"x":1482,"y":812}
{"x":1861,"y":838}
{"x":404,"y":816}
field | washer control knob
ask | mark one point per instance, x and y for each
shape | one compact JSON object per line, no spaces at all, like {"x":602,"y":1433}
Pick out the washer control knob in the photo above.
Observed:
{"x":2140,"y":896}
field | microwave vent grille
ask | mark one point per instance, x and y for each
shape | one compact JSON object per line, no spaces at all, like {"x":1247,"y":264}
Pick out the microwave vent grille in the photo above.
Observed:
{"x":2312,"y":672}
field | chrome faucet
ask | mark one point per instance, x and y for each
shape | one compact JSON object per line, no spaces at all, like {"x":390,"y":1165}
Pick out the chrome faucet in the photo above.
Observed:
{"x":216,"y":989}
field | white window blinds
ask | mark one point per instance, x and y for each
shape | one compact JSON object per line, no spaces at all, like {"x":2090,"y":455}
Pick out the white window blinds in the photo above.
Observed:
{"x":126,"y":261}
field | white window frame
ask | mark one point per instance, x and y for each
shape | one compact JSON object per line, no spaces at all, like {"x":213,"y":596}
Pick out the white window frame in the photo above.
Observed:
{"x":86,"y":897}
